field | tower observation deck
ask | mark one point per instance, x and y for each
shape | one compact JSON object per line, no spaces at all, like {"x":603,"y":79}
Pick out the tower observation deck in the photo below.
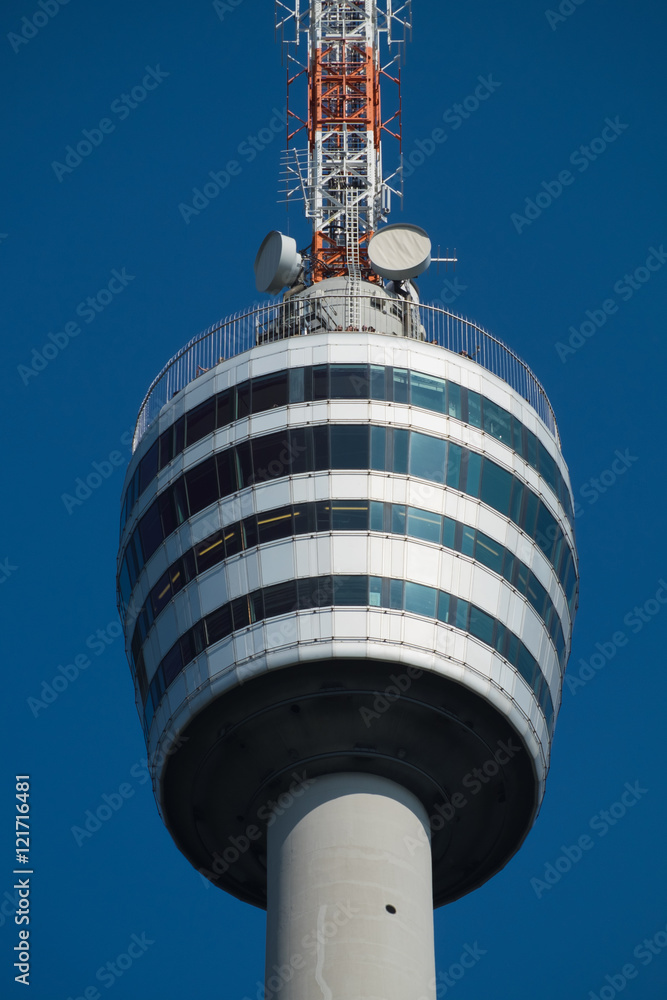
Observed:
{"x":348,"y":577}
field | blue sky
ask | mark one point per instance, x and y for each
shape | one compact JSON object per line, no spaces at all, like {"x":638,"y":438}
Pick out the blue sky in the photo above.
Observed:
{"x":554,"y":83}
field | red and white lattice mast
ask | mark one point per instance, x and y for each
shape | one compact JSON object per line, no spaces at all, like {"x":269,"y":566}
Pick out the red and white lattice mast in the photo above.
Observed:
{"x":339,"y":174}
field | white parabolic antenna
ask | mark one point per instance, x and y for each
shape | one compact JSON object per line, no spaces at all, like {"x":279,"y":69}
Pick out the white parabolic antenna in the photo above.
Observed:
{"x":400,"y":251}
{"x":277,"y":263}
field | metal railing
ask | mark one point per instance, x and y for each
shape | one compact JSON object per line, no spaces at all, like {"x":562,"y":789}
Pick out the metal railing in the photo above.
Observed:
{"x":312,"y":314}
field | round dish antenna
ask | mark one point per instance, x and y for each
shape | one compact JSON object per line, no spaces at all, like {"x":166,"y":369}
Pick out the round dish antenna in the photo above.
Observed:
{"x":400,"y":251}
{"x":277,"y":263}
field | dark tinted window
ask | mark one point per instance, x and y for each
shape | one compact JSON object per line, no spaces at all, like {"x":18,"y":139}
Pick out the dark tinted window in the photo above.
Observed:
{"x":349,"y":382}
{"x":349,"y":517}
{"x":427,"y":457}
{"x":427,"y":392}
{"x":210,"y":552}
{"x":225,"y":413}
{"x":150,"y":531}
{"x":349,"y":447}
{"x":202,"y":485}
{"x":148,"y":466}
{"x":274,"y":524}
{"x":269,"y":391}
{"x":200,"y":421}
{"x":496,"y":487}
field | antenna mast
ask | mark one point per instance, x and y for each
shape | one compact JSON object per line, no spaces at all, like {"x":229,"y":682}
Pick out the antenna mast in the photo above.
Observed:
{"x":339,"y":173}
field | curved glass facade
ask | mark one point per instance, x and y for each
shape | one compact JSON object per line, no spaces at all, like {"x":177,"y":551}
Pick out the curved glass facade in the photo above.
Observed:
{"x":360,"y":382}
{"x":344,"y":591}
{"x":346,"y":515}
{"x":347,"y":447}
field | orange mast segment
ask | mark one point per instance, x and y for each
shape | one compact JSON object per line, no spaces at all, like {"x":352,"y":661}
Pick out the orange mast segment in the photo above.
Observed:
{"x":340,"y":176}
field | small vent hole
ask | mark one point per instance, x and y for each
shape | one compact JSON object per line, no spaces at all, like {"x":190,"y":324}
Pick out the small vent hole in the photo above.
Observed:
{"x":390,"y":909}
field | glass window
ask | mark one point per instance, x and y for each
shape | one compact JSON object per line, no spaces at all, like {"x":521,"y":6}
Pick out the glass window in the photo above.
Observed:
{"x":449,"y":533}
{"x":150,"y":531}
{"x":233,"y":540}
{"x":296,"y":385}
{"x":530,"y":513}
{"x":177,"y":572}
{"x":526,"y":664}
{"x":427,"y":457}
{"x":377,"y":386}
{"x":546,"y":530}
{"x":497,"y":422}
{"x":320,"y":382}
{"x":454,"y":453}
{"x":226,"y":472}
{"x":517,"y":498}
{"x":547,"y":467}
{"x":400,"y":385}
{"x":274,"y":524}
{"x":427,"y":392}
{"x":166,"y":442}
{"x":467,"y":540}
{"x":481,"y":625}
{"x":398,"y":526}
{"x":531,"y":448}
{"x":377,"y":516}
{"x":474,"y":474}
{"x":517,"y":436}
{"x":489,"y":553}
{"x":423,"y":524}
{"x":508,"y":565}
{"x":420,"y":600}
{"x":536,"y":594}
{"x":243,"y":465}
{"x":520,"y":580}
{"x":240,"y":612}
{"x":243,"y":392}
{"x":349,"y":382}
{"x":218,"y":624}
{"x":124,"y":583}
{"x":300,"y":452}
{"x":304,"y":518}
{"x":496,"y":486}
{"x":224,"y":403}
{"x":200,"y":421}
{"x":454,"y":400}
{"x":349,"y":516}
{"x":172,"y":664}
{"x":396,"y":595}
{"x":350,"y":591}
{"x":462,"y":613}
{"x":148,"y":467}
{"x":474,"y":408}
{"x":210,"y":551}
{"x":501,"y":639}
{"x":269,"y":391}
{"x":443,"y":607}
{"x":401,"y":440}
{"x":265,"y":452}
{"x":179,"y":435}
{"x":202,"y":485}
{"x":321,"y":447}
{"x":161,"y":594}
{"x":280,"y":599}
{"x":349,"y":447}
{"x":375,"y":592}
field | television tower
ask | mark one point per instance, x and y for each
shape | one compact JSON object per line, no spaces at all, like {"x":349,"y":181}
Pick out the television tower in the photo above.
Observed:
{"x":347,"y":568}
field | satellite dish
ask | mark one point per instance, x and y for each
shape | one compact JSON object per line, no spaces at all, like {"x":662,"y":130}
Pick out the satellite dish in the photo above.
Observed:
{"x":277,"y":263}
{"x":400,"y":251}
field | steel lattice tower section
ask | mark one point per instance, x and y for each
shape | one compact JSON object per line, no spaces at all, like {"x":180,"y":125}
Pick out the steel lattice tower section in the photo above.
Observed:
{"x":347,"y":574}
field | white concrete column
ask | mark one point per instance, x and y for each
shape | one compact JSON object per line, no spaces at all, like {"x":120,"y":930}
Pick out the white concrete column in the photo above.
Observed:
{"x":350,"y":901}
